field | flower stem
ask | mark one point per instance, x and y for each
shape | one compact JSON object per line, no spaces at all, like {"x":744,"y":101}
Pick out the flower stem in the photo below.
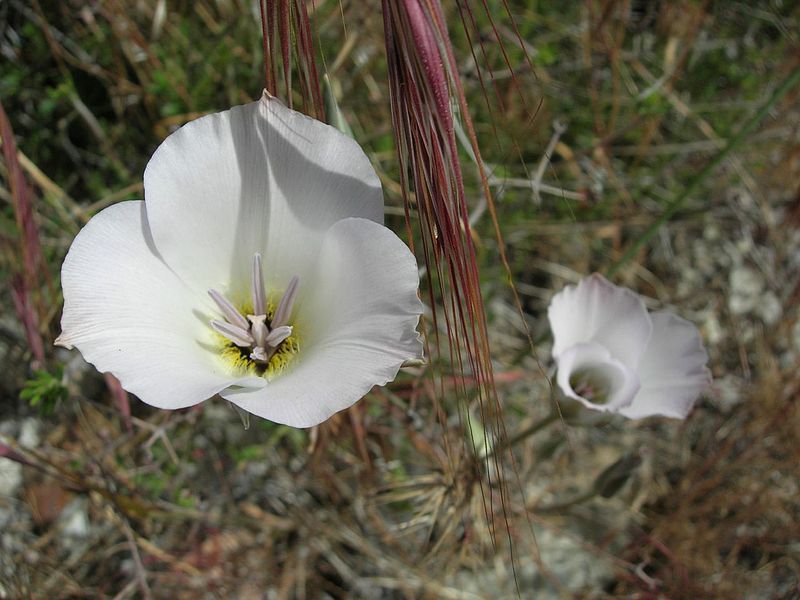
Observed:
{"x":525,"y":433}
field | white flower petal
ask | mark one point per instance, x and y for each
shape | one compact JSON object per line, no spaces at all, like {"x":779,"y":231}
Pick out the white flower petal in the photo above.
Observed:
{"x":130,"y":315}
{"x":598,"y":311}
{"x":591,"y":365}
{"x":673,"y":370}
{"x":356,"y":318}
{"x":256,"y":178}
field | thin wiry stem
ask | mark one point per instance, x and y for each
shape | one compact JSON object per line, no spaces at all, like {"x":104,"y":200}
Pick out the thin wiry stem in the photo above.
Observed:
{"x":527,"y":432}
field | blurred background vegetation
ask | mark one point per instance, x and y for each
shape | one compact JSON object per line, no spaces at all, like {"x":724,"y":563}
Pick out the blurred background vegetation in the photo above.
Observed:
{"x":591,"y":129}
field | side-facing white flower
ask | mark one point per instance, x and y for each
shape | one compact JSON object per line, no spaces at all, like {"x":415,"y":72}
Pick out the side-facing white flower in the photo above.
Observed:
{"x":258,"y":269}
{"x":613,"y":356}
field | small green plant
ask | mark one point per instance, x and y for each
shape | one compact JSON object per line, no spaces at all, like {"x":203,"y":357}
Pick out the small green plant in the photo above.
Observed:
{"x":45,"y":390}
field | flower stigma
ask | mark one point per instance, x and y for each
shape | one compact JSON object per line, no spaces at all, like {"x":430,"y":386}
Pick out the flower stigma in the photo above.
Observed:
{"x":263,"y":343}
{"x":592,"y":384}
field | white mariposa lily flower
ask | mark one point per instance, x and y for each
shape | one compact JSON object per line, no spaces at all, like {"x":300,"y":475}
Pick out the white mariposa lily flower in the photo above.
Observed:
{"x":614,"y":356}
{"x":257,"y":268}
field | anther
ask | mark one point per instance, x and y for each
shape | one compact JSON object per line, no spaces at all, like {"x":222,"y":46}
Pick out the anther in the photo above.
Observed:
{"x":240,"y":337}
{"x":234,"y":316}
{"x":284,"y":310}
{"x":259,"y":303}
{"x":278,"y":335}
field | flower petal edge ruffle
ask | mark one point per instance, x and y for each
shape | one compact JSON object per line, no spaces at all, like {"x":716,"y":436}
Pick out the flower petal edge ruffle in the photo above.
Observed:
{"x":673,"y":370}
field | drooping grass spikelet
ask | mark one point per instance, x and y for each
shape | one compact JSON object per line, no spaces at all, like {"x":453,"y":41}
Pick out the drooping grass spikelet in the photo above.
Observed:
{"x":289,"y":50}
{"x":424,"y":85}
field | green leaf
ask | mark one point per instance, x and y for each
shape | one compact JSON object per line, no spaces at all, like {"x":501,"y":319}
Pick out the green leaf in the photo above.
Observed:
{"x":45,"y":390}
{"x":333,"y":112}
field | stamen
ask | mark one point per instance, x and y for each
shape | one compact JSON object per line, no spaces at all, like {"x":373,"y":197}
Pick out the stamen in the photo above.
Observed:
{"x":284,"y":310}
{"x":277,"y":335}
{"x":259,"y":303}
{"x":234,"y":316}
{"x":259,"y":329}
{"x":239,"y":336}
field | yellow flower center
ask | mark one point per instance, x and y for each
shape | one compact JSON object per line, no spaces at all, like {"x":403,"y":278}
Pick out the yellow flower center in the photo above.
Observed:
{"x":262,"y":343}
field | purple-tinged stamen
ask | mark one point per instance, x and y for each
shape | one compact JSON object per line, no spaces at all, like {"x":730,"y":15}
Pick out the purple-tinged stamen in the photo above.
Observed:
{"x":240,"y":337}
{"x":233,"y":316}
{"x":259,"y":297}
{"x":284,"y":310}
{"x":277,"y":335}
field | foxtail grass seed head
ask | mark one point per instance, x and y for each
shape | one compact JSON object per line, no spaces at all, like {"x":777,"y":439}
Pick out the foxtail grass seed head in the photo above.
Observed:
{"x":614,"y":356}
{"x":257,"y":268}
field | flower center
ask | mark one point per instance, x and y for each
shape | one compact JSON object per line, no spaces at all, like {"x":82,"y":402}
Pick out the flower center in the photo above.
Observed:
{"x":264,"y":342}
{"x":592,"y":384}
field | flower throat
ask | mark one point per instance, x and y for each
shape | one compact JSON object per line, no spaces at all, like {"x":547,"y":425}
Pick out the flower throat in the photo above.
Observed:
{"x":264,"y":342}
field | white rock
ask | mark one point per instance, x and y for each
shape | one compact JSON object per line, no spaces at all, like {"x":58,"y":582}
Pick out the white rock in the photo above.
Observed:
{"x":726,"y":392}
{"x":74,"y":519}
{"x":743,"y":197}
{"x":29,"y":433}
{"x":769,"y":309}
{"x":714,"y":333}
{"x":577,"y":568}
{"x":711,"y":231}
{"x":746,"y":285}
{"x":10,"y":476}
{"x":689,"y":281}
{"x":704,"y":258}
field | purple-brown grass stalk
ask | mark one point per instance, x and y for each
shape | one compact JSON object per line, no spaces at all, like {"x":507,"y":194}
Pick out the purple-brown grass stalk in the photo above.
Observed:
{"x":25,"y":283}
{"x":423,"y":82}
{"x":288,"y":49}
